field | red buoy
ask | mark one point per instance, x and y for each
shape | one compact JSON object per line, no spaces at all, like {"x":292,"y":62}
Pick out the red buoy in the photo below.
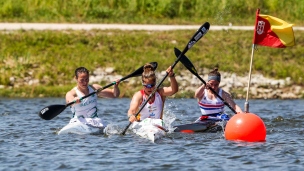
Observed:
{"x":245,"y":127}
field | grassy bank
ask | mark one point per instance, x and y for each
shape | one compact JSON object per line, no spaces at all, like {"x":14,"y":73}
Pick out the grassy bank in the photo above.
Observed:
{"x":52,"y":56}
{"x":217,"y":12}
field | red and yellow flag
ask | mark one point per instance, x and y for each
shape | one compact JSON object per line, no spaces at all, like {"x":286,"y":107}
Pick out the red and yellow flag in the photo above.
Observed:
{"x":273,"y":32}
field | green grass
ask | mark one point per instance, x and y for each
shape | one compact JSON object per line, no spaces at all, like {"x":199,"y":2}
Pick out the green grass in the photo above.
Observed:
{"x":52,"y":56}
{"x":217,"y":12}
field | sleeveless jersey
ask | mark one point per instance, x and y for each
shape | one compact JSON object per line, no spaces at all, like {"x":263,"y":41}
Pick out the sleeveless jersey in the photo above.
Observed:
{"x":152,"y":110}
{"x":87,"y":108}
{"x":209,"y":106}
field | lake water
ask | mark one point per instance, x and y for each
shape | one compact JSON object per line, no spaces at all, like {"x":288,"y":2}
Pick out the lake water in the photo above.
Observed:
{"x":30,"y":143}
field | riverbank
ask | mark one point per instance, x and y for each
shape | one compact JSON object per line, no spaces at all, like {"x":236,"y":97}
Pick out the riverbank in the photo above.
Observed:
{"x":260,"y":87}
{"x":41,"y":63}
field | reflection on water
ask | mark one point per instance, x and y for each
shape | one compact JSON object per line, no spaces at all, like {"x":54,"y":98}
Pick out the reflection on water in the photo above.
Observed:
{"x":30,"y":143}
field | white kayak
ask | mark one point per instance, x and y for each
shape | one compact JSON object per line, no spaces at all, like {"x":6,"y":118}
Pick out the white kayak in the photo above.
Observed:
{"x":151,"y":129}
{"x":75,"y":126}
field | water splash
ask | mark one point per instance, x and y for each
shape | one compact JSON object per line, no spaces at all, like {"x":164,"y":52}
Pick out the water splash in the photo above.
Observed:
{"x":168,"y":119}
{"x":112,"y":129}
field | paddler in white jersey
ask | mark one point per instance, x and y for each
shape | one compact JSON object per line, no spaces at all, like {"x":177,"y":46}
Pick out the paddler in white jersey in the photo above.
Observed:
{"x":85,"y":110}
{"x":210,"y":105}
{"x":154,"y":108}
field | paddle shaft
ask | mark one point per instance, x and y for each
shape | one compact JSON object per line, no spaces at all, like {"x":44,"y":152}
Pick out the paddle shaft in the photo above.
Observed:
{"x":197,"y":36}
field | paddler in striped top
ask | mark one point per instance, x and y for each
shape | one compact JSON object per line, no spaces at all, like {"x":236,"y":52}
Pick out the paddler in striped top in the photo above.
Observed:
{"x":154,"y":108}
{"x":210,"y":105}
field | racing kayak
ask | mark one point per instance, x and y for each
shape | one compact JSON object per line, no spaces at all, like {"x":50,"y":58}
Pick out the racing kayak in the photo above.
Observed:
{"x":203,"y":124}
{"x":81,"y":128}
{"x":151,"y":129}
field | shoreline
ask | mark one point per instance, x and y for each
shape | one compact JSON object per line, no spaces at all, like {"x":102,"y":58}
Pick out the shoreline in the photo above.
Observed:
{"x":260,"y":88}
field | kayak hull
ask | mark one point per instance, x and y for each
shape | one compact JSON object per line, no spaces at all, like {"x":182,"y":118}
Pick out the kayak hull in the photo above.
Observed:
{"x":201,"y":126}
{"x":81,"y":129}
{"x":149,"y":129}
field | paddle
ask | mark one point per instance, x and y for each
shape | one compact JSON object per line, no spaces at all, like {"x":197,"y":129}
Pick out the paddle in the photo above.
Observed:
{"x":197,"y":36}
{"x":52,"y":111}
{"x":187,"y":63}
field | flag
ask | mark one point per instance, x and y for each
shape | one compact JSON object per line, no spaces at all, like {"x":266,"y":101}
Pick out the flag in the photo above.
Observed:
{"x":273,"y":32}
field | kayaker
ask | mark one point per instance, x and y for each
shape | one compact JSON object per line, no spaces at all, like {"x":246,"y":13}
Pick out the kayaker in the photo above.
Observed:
{"x":154,"y":108}
{"x":86,"y":110}
{"x":210,"y":105}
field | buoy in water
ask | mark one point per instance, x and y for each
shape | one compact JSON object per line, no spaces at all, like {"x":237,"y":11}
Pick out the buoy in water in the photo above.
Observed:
{"x":245,"y":127}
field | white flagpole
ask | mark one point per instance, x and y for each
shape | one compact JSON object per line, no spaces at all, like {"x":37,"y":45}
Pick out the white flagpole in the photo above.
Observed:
{"x":249,"y":80}
{"x":251,"y":61}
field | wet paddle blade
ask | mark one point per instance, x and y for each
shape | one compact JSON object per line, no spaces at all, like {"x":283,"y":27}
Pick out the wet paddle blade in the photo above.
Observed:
{"x":185,"y":61}
{"x":50,"y":112}
{"x":139,"y":71}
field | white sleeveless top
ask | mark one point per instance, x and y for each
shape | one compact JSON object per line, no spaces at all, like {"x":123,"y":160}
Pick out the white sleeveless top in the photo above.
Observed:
{"x":209,"y":106}
{"x":152,"y":110}
{"x":87,"y":108}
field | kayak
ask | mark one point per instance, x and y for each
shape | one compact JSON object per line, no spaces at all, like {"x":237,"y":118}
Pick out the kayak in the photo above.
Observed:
{"x":206,"y":126}
{"x":151,"y":129}
{"x":75,"y":126}
{"x":203,"y":124}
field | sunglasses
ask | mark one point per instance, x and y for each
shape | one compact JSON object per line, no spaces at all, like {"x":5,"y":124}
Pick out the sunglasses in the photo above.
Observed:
{"x":148,"y":85}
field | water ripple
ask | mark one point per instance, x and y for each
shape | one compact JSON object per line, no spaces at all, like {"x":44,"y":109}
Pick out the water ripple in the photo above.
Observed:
{"x":30,"y":143}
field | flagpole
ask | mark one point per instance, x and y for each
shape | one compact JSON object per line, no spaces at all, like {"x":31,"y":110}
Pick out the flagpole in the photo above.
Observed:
{"x":251,"y":60}
{"x":249,"y":80}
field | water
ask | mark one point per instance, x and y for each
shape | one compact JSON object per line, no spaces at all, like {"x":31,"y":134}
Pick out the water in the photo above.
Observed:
{"x":30,"y":143}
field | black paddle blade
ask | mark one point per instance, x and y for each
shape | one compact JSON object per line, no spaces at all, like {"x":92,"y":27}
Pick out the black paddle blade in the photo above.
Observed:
{"x":50,"y":112}
{"x":154,"y":64}
{"x":185,"y":61}
{"x":139,"y":71}
{"x":197,"y":36}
